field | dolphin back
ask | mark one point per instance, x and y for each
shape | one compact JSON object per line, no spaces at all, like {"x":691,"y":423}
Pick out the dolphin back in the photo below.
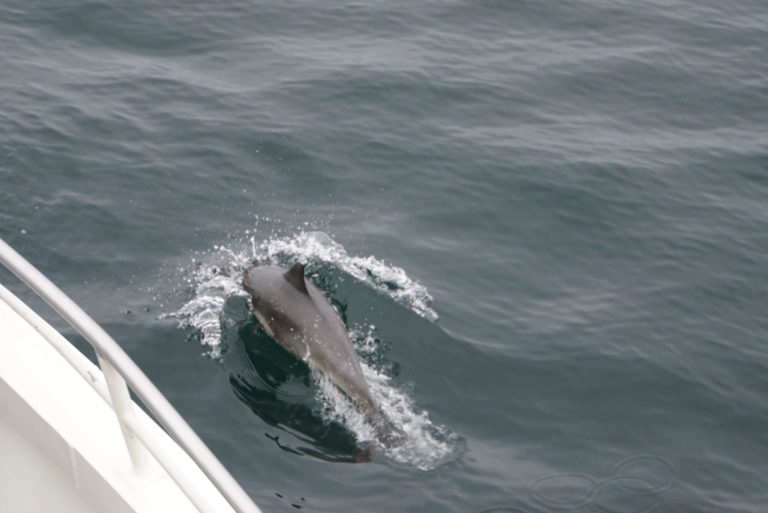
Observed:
{"x":300,"y":318}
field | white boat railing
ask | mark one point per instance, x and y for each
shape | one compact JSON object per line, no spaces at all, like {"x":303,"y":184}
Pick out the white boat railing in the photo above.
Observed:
{"x":120,"y":371}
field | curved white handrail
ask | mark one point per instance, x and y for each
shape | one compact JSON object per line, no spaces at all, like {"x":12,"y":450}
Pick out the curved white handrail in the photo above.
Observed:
{"x":107,"y":349}
{"x":100,"y":382}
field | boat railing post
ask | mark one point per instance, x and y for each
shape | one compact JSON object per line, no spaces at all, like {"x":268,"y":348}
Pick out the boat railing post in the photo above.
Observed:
{"x":123,"y":406}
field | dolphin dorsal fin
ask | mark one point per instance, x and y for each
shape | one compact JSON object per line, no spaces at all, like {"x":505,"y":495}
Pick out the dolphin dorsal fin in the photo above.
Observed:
{"x":295,"y":276}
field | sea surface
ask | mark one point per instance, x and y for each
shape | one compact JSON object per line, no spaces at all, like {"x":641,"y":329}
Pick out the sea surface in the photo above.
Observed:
{"x":545,"y":224}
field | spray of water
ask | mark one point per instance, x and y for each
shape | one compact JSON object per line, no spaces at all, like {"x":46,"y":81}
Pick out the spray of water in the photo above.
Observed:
{"x":427,"y":445}
{"x":389,"y":279}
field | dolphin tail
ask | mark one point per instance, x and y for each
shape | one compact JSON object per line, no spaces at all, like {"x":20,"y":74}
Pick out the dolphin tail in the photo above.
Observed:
{"x":388,"y":434}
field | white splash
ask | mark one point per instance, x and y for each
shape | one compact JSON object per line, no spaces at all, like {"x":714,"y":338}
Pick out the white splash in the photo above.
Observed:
{"x":387,"y":278}
{"x":213,"y":279}
{"x":427,"y":445}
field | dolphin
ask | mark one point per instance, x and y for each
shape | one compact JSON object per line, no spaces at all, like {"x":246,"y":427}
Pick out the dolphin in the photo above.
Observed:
{"x":298,"y":316}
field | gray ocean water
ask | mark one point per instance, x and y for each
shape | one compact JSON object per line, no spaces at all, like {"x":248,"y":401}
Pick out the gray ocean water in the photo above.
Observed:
{"x":545,"y":224}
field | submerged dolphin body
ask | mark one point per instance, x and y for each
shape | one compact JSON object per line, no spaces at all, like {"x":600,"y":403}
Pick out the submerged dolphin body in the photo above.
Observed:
{"x":296,"y":313}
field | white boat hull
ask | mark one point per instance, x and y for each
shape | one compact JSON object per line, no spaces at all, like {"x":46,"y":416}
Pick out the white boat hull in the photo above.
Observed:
{"x":61,"y":445}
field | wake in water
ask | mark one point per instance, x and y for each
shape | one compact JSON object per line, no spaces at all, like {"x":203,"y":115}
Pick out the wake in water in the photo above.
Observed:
{"x":427,"y":445}
{"x":216,"y":277}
